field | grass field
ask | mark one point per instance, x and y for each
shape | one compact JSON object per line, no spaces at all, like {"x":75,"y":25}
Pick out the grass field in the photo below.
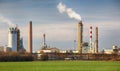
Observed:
{"x":60,"y":66}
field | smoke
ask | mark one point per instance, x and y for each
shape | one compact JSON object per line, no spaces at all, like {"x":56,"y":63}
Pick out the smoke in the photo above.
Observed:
{"x":62,"y":8}
{"x":6,"y":21}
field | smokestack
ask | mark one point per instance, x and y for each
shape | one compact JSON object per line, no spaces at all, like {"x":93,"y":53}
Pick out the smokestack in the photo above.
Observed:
{"x":91,"y":49}
{"x":30,"y":37}
{"x":96,"y":41}
{"x":80,"y":37}
{"x":44,"y":40}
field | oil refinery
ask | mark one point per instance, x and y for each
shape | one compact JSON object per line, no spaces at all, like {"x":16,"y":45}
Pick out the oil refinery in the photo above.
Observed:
{"x":15,"y":44}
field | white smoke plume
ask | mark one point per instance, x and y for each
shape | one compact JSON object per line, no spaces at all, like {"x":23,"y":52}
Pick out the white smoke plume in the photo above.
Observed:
{"x":6,"y":21}
{"x":62,"y":8}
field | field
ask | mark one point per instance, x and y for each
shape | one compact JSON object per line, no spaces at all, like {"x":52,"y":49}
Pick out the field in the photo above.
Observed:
{"x":60,"y":66}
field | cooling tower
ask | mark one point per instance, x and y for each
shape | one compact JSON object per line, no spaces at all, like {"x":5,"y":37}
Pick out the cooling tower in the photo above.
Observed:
{"x":30,"y":37}
{"x":80,"y":37}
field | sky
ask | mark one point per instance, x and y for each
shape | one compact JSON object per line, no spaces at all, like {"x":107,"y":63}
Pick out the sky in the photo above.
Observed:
{"x":60,"y":29}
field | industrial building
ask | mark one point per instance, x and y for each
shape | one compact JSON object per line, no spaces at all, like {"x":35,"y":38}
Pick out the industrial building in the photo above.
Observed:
{"x":115,"y":49}
{"x":83,"y":47}
{"x":47,"y":49}
{"x":14,"y":40}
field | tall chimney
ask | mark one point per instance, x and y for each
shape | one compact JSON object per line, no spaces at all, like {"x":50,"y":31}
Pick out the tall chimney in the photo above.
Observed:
{"x":30,"y":37}
{"x":80,"y":37}
{"x":44,"y":39}
{"x":96,"y":39}
{"x":91,"y":48}
{"x":44,"y":42}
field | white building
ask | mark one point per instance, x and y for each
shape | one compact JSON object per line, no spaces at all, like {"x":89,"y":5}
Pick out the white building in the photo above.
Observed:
{"x":115,"y":49}
{"x":49,"y":50}
{"x":12,"y":38}
{"x":108,"y":51}
{"x":68,"y":51}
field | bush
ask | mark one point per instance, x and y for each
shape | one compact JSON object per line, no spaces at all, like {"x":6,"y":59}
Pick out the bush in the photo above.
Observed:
{"x":14,"y":56}
{"x":44,"y":57}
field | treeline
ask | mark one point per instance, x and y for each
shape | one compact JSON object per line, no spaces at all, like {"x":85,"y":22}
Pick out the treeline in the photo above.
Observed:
{"x":15,"y":56}
{"x":107,"y":57}
{"x":85,"y":56}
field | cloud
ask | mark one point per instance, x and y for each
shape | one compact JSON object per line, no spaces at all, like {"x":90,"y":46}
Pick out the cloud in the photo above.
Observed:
{"x":71,"y":13}
{"x":6,"y":21}
{"x":61,"y":7}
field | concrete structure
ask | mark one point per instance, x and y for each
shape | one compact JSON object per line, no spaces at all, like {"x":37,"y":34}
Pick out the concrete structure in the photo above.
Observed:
{"x":21,"y":49}
{"x":85,"y":48}
{"x":30,"y":37}
{"x":51,"y":52}
{"x":80,"y":37}
{"x":18,"y":39}
{"x":96,"y":39}
{"x":12,"y":38}
{"x":21,"y":43}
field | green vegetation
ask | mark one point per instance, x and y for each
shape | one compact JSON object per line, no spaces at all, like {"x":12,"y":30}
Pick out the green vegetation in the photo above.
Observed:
{"x":61,"y":66}
{"x":15,"y":56}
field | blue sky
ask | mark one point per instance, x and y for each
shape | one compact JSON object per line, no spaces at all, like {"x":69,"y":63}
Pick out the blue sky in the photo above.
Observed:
{"x":61,"y":30}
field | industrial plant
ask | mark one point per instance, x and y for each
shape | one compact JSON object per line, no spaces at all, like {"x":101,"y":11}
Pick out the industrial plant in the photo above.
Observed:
{"x":15,"y":44}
